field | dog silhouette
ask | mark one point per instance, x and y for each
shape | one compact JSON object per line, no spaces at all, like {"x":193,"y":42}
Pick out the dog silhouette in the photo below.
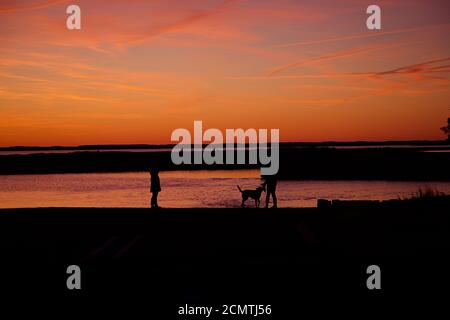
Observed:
{"x":253,"y":194}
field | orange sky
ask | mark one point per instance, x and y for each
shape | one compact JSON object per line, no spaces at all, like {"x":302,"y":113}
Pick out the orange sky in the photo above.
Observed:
{"x":139,"y":69}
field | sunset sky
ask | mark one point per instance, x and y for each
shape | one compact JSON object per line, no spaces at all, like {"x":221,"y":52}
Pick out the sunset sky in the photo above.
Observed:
{"x":138,"y":69}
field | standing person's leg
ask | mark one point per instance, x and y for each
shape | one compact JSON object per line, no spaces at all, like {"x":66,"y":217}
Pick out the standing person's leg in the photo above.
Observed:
{"x":156,"y":199}
{"x":274,"y":199}
{"x":153,"y":201}
{"x":267,"y":198}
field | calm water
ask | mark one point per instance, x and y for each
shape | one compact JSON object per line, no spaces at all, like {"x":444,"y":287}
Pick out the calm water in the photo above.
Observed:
{"x":185,"y":189}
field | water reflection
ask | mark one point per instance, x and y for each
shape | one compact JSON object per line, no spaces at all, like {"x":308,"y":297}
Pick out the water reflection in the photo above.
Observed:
{"x":181,"y":189}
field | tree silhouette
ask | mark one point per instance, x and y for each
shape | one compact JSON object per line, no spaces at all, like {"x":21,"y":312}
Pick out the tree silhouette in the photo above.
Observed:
{"x":446,"y":129}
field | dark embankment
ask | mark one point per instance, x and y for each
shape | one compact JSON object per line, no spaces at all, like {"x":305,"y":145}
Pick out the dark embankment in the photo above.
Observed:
{"x":289,"y":258}
{"x":295,"y":163}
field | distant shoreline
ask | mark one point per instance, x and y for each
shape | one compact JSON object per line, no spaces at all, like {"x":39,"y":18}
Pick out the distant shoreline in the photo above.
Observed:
{"x":416,"y":143}
{"x":393,"y":164}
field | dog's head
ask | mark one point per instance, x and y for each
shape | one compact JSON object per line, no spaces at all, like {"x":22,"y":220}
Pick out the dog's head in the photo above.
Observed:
{"x":261,"y":188}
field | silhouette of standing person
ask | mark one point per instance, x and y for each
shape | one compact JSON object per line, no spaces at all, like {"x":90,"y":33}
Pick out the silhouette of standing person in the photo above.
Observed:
{"x":270,"y":183}
{"x":155,"y":187}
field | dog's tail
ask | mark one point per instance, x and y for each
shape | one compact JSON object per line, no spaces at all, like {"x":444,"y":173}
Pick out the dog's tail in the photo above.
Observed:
{"x":239,"y":189}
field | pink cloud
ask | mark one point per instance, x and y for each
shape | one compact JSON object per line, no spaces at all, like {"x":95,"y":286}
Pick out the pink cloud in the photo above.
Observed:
{"x":327,"y":57}
{"x":23,"y":5}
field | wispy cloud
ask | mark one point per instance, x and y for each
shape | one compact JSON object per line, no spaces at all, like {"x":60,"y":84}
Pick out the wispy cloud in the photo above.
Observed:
{"x":178,"y":25}
{"x":23,"y":78}
{"x":327,"y":57}
{"x":362,"y":36}
{"x":419,"y":68}
{"x":28,"y":5}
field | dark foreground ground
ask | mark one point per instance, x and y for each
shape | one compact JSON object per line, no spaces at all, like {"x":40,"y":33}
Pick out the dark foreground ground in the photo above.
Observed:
{"x":292,"y":259}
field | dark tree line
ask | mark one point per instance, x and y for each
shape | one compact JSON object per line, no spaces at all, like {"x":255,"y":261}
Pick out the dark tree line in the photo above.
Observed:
{"x":446,"y":129}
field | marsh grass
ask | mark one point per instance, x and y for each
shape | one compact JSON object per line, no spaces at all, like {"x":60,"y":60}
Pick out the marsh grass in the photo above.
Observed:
{"x":427,"y":193}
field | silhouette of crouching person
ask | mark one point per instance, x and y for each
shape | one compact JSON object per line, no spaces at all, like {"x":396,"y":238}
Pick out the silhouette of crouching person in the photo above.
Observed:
{"x":155,"y":187}
{"x":270,"y":184}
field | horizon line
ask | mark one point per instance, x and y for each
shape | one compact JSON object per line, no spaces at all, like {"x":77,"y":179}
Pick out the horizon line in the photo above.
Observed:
{"x":159,"y":145}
